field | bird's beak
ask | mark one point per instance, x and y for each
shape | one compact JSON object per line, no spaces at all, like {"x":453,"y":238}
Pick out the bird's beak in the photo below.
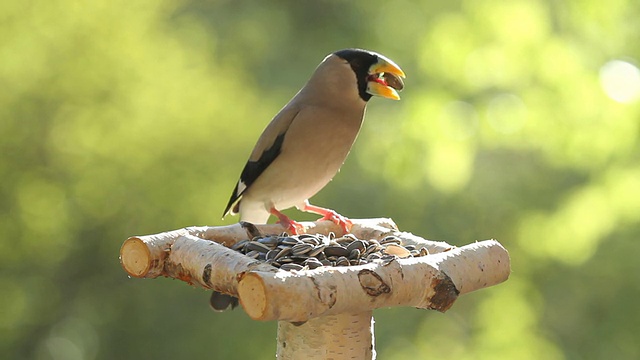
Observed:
{"x":385,"y":79}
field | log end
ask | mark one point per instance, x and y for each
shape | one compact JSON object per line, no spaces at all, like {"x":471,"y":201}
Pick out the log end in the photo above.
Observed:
{"x":252,"y":294}
{"x":135,"y":257}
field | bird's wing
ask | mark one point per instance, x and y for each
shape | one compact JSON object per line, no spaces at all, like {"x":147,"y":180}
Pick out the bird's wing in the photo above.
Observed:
{"x":264,"y":153}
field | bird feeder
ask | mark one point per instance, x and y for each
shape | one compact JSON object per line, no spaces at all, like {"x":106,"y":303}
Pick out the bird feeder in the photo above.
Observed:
{"x":325,"y":312}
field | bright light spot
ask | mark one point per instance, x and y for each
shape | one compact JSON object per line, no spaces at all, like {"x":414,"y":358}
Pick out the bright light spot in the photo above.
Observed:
{"x":450,"y":165}
{"x":72,"y":338}
{"x":620,"y":81}
{"x":507,"y":113}
{"x":63,"y":349}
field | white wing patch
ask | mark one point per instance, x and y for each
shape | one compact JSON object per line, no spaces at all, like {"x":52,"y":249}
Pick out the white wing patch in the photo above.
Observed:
{"x":241,"y":188}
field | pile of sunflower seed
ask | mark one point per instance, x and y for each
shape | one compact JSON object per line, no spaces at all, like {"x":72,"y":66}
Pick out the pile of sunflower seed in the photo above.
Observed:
{"x":301,"y":252}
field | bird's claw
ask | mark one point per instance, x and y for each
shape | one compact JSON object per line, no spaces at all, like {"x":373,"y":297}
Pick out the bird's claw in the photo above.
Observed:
{"x":293,"y":227}
{"x":344,"y":223}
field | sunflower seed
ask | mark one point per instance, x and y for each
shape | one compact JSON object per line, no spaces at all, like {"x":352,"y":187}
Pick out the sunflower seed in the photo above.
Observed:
{"x":253,"y":254}
{"x":374,"y":256}
{"x":317,"y":250}
{"x":270,"y":241}
{"x":393,"y":81}
{"x":342,"y":261}
{"x":358,"y":244}
{"x":371,"y":249}
{"x":391,"y":240}
{"x":346,"y":240}
{"x":271,"y":254}
{"x":336,"y":250}
{"x":238,"y":246}
{"x":290,"y":267}
{"x":301,"y":248}
{"x":283,"y":252}
{"x":289,"y":241}
{"x":309,"y":239}
{"x":397,"y":250}
{"x":257,"y":246}
{"x":312,"y":263}
{"x":285,"y":260}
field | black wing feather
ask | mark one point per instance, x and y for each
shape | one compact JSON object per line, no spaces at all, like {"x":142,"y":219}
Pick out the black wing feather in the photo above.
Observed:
{"x":252,"y":171}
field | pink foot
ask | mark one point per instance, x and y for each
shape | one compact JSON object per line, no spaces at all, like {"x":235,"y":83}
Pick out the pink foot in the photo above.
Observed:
{"x":292,"y":226}
{"x":339,"y":220}
{"x":328,"y":214}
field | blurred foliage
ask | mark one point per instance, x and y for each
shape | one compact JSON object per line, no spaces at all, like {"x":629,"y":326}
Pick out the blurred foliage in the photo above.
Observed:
{"x":520,"y":121}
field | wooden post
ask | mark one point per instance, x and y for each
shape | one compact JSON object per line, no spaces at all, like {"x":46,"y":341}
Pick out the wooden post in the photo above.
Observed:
{"x":325,"y":312}
{"x":343,"y":336}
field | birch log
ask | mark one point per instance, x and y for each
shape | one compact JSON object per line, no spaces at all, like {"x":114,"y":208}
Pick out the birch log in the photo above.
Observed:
{"x":146,"y":256}
{"x":428,"y":282}
{"x":196,"y":255}
{"x":343,"y":336}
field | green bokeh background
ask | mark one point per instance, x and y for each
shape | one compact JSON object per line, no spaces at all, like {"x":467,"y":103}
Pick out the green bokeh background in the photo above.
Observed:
{"x":520,"y":121}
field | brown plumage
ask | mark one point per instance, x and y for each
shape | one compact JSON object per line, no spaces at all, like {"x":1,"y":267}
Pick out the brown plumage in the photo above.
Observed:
{"x":305,"y":144}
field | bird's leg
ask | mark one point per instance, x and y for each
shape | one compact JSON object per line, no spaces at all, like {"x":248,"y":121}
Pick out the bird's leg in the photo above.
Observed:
{"x":328,"y":214}
{"x":291,"y":225}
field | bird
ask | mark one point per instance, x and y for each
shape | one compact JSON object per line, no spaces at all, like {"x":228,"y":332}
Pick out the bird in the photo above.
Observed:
{"x":308,"y":140}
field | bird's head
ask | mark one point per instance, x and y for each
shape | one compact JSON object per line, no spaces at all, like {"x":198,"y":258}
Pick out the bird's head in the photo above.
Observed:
{"x":376,"y":74}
